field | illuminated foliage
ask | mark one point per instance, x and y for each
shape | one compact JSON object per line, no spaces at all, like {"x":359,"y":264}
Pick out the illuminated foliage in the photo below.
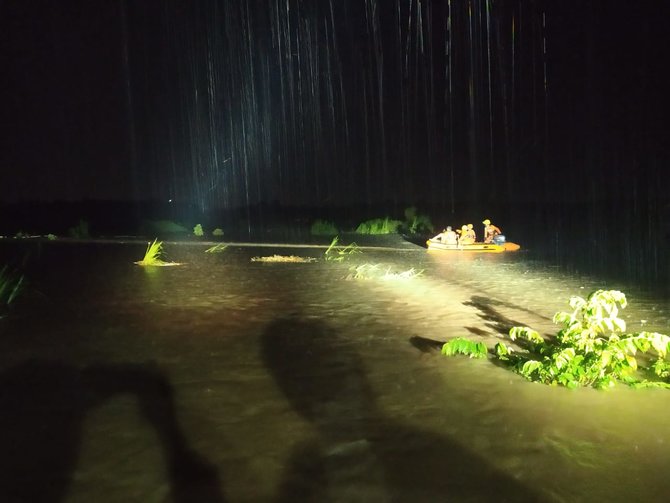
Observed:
{"x":154,"y":256}
{"x":339,"y":253}
{"x":379,"y":226}
{"x":591,"y":348}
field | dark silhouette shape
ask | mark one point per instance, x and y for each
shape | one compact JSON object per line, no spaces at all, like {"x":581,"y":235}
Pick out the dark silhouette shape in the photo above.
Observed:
{"x":495,"y":320}
{"x":359,"y":454}
{"x":43,"y":405}
{"x":426,"y":345}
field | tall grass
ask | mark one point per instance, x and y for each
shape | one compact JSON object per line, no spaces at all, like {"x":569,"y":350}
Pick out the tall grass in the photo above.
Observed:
{"x":379,"y":226}
{"x":154,"y":255}
{"x":11,"y":285}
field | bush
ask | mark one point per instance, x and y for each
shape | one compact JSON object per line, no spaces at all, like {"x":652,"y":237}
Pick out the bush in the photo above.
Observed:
{"x":197,"y":230}
{"x":80,"y":231}
{"x":591,"y":348}
{"x":379,"y":226}
{"x":416,"y":223}
{"x":217,"y":232}
{"x":323,"y":228}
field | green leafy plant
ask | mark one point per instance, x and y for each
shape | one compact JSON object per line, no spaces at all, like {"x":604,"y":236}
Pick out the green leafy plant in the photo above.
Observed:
{"x":463,"y":346}
{"x":591,"y":348}
{"x":197,"y":230}
{"x":80,"y":231}
{"x":217,"y":232}
{"x":51,"y":237}
{"x":323,"y":228}
{"x":219,"y":248}
{"x":11,"y":285}
{"x":379,"y":226}
{"x":154,"y":255}
{"x":339,"y":253}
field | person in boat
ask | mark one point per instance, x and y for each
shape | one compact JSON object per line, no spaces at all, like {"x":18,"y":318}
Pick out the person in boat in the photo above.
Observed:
{"x":447,"y":237}
{"x":467,"y":237}
{"x":471,"y":233}
{"x":490,"y":231}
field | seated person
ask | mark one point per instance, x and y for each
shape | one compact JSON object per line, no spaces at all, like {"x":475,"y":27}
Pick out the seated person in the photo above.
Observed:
{"x":467,"y":237}
{"x":447,"y":237}
{"x":471,"y":233}
{"x":490,"y":231}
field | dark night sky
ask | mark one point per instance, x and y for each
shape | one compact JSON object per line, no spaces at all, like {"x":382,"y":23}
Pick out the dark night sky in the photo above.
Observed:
{"x":333,"y":102}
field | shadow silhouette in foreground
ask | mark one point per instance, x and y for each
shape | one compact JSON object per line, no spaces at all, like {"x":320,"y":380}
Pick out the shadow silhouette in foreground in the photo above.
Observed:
{"x":488,"y":312}
{"x":360,"y":455}
{"x":43,"y":405}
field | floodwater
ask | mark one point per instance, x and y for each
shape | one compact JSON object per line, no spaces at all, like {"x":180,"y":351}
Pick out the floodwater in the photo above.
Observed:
{"x":230,"y":380}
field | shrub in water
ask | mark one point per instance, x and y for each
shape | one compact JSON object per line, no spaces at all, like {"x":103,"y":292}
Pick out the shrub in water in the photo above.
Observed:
{"x":379,"y":226}
{"x":197,"y":230}
{"x":80,"y":231}
{"x":416,"y":223}
{"x":217,"y":232}
{"x":323,"y":228}
{"x":591,"y":348}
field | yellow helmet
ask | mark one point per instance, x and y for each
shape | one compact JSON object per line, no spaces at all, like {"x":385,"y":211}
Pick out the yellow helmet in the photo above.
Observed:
{"x":487,"y":222}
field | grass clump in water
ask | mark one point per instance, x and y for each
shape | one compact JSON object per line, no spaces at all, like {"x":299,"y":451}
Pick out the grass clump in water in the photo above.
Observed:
{"x":219,"y":248}
{"x":154,"y":256}
{"x":336,"y":253}
{"x":376,"y":271}
{"x":283,"y":258}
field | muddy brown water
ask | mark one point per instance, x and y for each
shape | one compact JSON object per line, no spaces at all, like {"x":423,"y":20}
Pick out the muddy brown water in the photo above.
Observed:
{"x":231,"y":380}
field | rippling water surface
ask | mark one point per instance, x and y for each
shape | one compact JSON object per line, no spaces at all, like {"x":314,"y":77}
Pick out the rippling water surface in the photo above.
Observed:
{"x":230,"y":380}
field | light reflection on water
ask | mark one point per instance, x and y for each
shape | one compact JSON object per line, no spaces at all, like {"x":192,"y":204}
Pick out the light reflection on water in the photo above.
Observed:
{"x":291,"y":379}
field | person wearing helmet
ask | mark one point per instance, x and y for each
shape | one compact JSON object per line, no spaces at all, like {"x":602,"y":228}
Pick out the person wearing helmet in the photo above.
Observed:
{"x":466,"y":236}
{"x":490,"y":231}
{"x":471,"y":233}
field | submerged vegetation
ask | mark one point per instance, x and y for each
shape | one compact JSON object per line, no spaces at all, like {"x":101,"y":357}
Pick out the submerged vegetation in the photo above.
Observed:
{"x":154,"y":256}
{"x":283,"y":258}
{"x":463,"y":346}
{"x":379,"y":271}
{"x":219,"y":248}
{"x":337,"y":253}
{"x":591,"y":349}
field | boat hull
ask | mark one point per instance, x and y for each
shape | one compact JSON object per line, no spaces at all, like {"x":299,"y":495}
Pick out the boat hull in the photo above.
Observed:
{"x":475,"y":247}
